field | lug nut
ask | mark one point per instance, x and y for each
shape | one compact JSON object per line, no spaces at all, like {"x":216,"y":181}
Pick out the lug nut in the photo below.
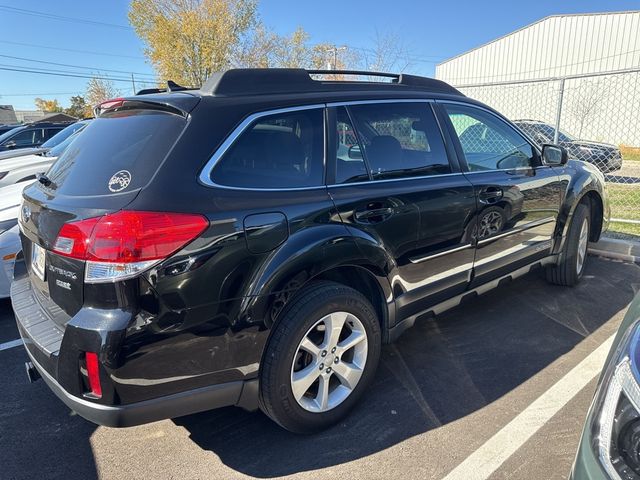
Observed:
{"x":333,"y":350}
{"x":329,"y":370}
{"x":336,"y":360}
{"x":324,"y":353}
{"x":322,"y":366}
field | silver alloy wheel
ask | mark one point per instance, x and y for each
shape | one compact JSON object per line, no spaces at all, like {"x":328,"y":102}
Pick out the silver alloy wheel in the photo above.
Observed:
{"x":329,"y":362}
{"x":583,"y":241}
{"x":490,"y":224}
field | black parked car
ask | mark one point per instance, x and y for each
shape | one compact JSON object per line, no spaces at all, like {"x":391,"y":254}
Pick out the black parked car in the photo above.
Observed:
{"x":605,"y":156}
{"x":256,"y":241}
{"x":30,"y":135}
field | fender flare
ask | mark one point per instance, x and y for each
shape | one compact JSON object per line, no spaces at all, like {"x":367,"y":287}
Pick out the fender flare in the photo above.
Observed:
{"x":580,"y":185}
{"x":307,"y":255}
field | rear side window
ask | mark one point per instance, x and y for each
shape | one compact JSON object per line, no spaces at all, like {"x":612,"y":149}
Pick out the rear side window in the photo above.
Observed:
{"x":284,"y":150}
{"x":399,"y":140}
{"x":116,"y":152}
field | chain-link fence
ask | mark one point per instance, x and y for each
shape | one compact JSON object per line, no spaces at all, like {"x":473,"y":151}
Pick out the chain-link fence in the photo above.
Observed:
{"x":595,"y":117}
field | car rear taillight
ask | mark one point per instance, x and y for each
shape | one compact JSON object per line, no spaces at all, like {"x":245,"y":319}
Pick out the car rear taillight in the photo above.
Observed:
{"x":93,"y":372}
{"x":122,"y":244}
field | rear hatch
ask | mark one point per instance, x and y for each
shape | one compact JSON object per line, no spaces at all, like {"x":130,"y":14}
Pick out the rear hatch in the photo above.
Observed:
{"x":99,"y":173}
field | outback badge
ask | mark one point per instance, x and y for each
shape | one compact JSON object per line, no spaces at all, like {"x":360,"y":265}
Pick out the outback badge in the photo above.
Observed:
{"x":120,"y":181}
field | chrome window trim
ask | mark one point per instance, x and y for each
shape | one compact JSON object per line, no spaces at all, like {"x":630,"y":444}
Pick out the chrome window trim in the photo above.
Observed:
{"x":205,"y":173}
{"x":369,"y":102}
{"x":204,"y":177}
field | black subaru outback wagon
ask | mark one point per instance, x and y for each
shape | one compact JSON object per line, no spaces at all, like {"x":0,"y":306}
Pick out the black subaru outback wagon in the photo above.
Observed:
{"x":256,"y":241}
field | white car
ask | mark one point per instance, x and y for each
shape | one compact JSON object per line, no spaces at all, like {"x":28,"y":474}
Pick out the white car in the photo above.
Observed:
{"x":17,"y":169}
{"x":10,"y":246}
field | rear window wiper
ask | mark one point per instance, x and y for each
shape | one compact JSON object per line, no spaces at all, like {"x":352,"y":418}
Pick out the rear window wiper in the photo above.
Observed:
{"x":43,"y":179}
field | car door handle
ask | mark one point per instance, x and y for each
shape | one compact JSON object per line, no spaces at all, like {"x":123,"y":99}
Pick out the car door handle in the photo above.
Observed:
{"x":375,"y":215}
{"x":490,"y":195}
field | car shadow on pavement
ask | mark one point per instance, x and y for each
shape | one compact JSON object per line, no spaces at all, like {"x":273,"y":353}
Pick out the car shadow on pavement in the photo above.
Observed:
{"x":441,"y":370}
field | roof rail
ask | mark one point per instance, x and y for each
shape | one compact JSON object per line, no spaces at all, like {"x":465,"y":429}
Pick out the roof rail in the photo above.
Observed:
{"x":257,"y":81}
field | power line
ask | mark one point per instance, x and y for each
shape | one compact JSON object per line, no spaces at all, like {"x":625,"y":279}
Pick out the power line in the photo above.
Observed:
{"x":88,"y":52}
{"x":77,"y":66}
{"x":38,"y":94}
{"x":60,"y":73}
{"x":51,"y":16}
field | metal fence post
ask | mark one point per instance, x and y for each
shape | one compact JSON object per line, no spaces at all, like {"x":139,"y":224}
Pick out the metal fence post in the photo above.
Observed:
{"x":559,"y":111}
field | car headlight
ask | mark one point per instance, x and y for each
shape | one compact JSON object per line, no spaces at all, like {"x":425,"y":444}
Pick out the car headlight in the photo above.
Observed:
{"x":615,"y":429}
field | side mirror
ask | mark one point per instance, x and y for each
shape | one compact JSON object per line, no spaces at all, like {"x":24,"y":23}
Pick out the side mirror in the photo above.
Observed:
{"x":554,"y":155}
{"x":355,"y":153}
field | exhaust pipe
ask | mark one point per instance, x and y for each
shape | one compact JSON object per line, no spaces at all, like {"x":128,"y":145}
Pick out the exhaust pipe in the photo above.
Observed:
{"x":32,"y":374}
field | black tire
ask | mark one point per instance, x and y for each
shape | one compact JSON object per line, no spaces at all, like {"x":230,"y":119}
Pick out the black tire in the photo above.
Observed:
{"x":567,"y":273}
{"x":298,"y":317}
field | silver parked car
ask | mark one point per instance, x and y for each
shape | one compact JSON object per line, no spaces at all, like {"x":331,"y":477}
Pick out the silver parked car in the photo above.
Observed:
{"x":25,"y":167}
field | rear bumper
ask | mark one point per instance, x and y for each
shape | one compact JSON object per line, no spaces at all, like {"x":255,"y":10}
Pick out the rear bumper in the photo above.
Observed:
{"x":171,"y":406}
{"x":54,"y":350}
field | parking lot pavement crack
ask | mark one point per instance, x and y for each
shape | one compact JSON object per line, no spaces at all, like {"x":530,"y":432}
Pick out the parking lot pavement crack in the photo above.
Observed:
{"x":403,"y":373}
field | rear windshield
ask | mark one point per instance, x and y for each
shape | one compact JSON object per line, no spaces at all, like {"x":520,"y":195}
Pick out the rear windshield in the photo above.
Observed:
{"x":117,"y":152}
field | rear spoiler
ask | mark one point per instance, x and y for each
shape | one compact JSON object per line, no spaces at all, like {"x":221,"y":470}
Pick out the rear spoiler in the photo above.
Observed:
{"x":177,"y":105}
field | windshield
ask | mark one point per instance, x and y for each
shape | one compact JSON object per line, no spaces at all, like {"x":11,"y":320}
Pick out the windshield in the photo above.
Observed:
{"x":8,"y":134}
{"x":63,"y":134}
{"x":58,"y":149}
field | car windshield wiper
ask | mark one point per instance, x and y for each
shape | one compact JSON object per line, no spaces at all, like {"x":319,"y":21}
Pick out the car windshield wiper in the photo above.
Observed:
{"x":44,"y":180}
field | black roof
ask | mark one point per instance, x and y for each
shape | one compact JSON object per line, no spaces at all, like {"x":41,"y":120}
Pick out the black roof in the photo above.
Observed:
{"x":263,"y":81}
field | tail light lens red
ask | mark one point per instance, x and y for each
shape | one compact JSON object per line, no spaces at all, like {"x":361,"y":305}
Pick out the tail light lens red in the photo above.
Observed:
{"x":122,"y":243}
{"x":93,"y":372}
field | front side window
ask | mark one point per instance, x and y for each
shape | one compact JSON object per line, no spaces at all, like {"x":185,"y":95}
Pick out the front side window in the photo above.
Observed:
{"x":284,"y":150}
{"x":487,"y":142}
{"x":400,"y":139}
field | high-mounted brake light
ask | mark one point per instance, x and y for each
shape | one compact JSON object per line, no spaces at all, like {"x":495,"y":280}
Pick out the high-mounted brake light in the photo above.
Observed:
{"x":107,"y":104}
{"x":122,"y":244}
{"x":93,"y":372}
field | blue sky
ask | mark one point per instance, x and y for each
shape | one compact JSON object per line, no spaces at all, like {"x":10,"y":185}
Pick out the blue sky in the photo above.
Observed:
{"x":432,"y":30}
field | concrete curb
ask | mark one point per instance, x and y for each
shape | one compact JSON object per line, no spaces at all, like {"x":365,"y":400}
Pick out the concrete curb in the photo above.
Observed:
{"x":625,"y":250}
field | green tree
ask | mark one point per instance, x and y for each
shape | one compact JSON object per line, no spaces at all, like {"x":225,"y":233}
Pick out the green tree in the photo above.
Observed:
{"x":188,"y":40}
{"x":78,"y":107}
{"x":49,"y":106}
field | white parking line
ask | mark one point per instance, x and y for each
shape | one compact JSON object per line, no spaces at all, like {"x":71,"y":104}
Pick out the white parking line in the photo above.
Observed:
{"x":495,"y":451}
{"x":11,"y":344}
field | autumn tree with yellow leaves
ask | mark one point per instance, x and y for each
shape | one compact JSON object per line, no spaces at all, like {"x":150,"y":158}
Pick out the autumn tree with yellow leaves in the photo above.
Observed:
{"x":188,"y":40}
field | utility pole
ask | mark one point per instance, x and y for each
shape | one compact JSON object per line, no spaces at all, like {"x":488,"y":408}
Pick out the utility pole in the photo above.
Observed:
{"x":133,"y":84}
{"x":335,"y":51}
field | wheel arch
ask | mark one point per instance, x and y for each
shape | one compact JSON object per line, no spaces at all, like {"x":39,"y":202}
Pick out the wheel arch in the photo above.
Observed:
{"x":333,"y":255}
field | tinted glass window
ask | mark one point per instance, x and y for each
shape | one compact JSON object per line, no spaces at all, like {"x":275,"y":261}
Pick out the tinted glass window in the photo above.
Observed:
{"x":400,"y":139}
{"x":283,"y":150}
{"x":489,"y":143}
{"x":133,"y":140}
{"x":51,"y":132}
{"x":63,"y":134}
{"x":350,"y":165}
{"x":28,"y":137}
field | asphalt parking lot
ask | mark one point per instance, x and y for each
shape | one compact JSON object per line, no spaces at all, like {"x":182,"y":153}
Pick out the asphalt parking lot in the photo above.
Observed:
{"x":447,"y":389}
